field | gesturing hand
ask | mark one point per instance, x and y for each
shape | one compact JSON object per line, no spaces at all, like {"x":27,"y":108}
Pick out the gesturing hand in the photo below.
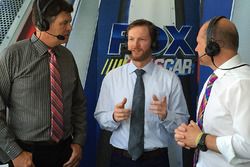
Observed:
{"x":120,"y":113}
{"x":159,"y":107}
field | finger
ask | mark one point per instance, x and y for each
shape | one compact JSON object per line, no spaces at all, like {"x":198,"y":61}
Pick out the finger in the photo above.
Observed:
{"x":182,"y":128}
{"x":121,"y":104}
{"x":124,"y":101}
{"x":181,"y":144}
{"x":74,"y":163}
{"x":179,"y":136}
{"x":164,"y":100}
{"x":155,"y":98}
{"x":122,"y":112}
{"x":123,"y":117}
{"x":119,"y":116}
{"x":192,"y":123}
{"x":126,"y":111}
{"x":183,"y":125}
{"x":68,"y":163}
{"x":156,"y":111}
{"x":154,"y":107}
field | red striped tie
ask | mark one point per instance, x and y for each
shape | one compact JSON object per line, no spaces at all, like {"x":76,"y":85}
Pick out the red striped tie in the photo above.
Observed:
{"x":56,"y":105}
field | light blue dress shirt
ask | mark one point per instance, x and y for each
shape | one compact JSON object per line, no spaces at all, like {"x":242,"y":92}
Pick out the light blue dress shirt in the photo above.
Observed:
{"x":119,"y":83}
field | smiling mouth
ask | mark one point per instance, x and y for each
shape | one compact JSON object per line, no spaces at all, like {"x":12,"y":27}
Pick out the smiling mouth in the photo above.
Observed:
{"x":136,"y":50}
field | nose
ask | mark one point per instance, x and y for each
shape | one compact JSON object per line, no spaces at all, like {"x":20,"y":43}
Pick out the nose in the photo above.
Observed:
{"x":196,"y":48}
{"x":136,"y":43}
{"x":69,"y":27}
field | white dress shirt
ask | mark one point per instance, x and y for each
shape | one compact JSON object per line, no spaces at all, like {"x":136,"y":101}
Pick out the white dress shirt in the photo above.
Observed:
{"x":119,"y":83}
{"x":227,"y":115}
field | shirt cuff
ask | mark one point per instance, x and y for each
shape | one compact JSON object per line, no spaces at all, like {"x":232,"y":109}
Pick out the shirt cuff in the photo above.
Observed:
{"x":114,"y":124}
{"x":224,"y":145}
{"x":13,"y":150}
{"x":169,"y":122}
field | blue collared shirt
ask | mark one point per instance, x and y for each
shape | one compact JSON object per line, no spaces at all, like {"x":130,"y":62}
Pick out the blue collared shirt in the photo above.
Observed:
{"x":119,"y":83}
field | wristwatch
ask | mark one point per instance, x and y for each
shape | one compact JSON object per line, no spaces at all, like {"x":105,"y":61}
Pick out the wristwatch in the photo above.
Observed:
{"x":202,"y":145}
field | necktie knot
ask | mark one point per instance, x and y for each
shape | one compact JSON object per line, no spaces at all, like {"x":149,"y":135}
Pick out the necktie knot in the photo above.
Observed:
{"x":50,"y":51}
{"x":139,"y":72}
{"x":212,"y":78}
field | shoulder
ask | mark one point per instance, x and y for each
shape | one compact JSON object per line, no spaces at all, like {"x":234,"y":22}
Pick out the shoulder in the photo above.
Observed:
{"x":236,"y":78}
{"x":16,"y":49}
{"x":18,"y":46}
{"x":117,"y":74}
{"x":164,"y":73}
{"x":119,"y":71}
{"x":242,"y":73}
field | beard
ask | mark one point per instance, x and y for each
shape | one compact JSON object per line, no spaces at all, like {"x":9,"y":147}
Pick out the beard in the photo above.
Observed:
{"x":141,"y":57}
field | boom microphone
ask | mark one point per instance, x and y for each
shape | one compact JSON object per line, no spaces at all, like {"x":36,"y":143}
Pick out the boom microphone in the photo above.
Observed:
{"x":124,"y":49}
{"x":203,"y":55}
{"x":60,"y":37}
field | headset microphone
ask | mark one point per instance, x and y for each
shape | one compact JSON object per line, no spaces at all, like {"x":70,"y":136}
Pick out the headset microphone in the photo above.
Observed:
{"x":202,"y":55}
{"x":124,"y":49}
{"x":60,"y":37}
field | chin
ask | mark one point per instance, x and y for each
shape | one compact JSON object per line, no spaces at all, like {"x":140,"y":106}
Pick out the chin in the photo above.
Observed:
{"x":139,"y":57}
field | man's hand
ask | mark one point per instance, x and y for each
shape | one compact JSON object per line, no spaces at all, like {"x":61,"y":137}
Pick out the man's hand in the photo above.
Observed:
{"x":120,"y":113}
{"x":23,"y":160}
{"x":180,"y":135}
{"x":76,"y":156}
{"x":185,"y":135}
{"x":159,"y":107}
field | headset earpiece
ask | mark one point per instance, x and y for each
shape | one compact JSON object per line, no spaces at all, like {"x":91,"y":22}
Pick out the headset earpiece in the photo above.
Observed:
{"x":213,"y":48}
{"x":154,"y":45}
{"x":42,"y":23}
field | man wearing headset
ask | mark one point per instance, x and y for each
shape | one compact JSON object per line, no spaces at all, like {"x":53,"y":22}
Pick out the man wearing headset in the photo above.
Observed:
{"x":42,"y":106}
{"x":222,"y":133}
{"x":141,"y":121}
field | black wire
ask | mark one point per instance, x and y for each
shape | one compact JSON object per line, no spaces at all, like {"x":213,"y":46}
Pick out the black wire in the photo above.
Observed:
{"x":238,"y":66}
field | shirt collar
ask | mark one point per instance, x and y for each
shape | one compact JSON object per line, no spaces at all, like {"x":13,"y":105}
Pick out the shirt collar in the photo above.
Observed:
{"x":234,"y":61}
{"x":148,"y":68}
{"x":39,"y":45}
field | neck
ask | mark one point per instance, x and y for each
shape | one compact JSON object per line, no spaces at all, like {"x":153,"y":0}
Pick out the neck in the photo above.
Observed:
{"x":221,"y":59}
{"x":141,"y":64}
{"x":47,"y":39}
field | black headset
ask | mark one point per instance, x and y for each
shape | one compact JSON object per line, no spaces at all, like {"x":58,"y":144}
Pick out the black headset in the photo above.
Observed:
{"x":42,"y":23}
{"x":213,"y":48}
{"x":154,"y":44}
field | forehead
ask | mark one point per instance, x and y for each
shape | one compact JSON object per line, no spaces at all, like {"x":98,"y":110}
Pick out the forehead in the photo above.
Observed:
{"x":203,"y":32}
{"x":139,"y":31}
{"x":63,"y":16}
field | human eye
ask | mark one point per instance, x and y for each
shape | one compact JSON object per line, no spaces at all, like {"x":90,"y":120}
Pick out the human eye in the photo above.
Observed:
{"x":130,"y":39}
